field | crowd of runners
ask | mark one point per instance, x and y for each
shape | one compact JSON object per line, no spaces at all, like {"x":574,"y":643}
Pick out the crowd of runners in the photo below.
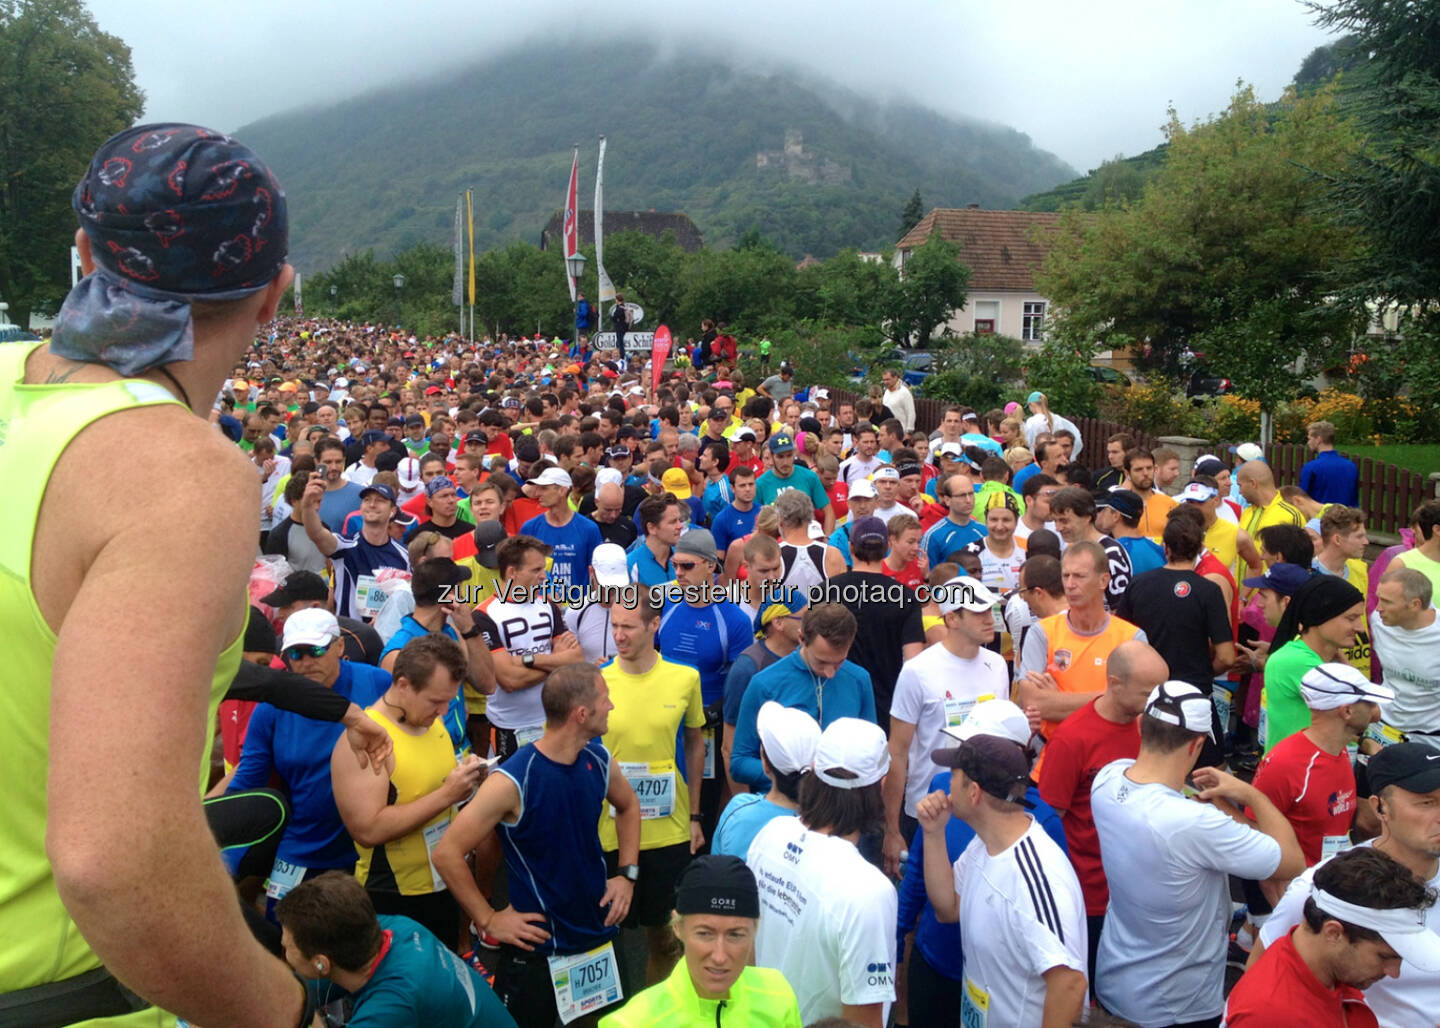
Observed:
{"x":572,"y":689}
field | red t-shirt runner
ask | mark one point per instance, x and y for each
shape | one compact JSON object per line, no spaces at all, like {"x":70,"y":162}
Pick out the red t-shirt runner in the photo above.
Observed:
{"x":1281,"y":991}
{"x":1082,"y":744}
{"x":1315,"y":791}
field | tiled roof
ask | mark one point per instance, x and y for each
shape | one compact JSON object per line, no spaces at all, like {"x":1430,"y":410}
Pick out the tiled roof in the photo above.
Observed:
{"x":995,"y":245}
{"x":651,"y":223}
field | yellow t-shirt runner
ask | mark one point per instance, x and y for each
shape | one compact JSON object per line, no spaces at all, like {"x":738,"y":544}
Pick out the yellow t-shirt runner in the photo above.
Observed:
{"x":649,"y":711}
{"x":1276,"y":512}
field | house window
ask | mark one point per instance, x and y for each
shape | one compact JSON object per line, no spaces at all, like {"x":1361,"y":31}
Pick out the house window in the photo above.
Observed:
{"x":987,"y":317}
{"x":984,"y":326}
{"x":1032,"y":322}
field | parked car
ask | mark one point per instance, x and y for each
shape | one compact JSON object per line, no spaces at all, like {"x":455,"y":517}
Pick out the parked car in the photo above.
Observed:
{"x":917,"y":368}
{"x":1105,"y":375}
{"x":16,"y":334}
{"x":1202,"y":383}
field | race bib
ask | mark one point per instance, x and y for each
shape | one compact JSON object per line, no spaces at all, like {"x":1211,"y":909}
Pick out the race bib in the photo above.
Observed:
{"x":974,"y":1006}
{"x":284,"y":876}
{"x":1385,"y":735}
{"x":1333,"y":844}
{"x":433,"y":835}
{"x":654,"y":784}
{"x":525,"y":736}
{"x":709,"y":774}
{"x":956,"y":710}
{"x":369,"y":597}
{"x":1223,"y":697}
{"x":585,"y":982}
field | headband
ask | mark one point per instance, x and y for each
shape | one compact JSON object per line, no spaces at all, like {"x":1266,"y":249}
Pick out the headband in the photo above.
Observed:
{"x":1390,"y":921}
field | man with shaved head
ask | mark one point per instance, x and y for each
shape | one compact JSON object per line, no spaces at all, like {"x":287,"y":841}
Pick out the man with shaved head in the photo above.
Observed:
{"x":1266,"y":506}
{"x":608,"y":511}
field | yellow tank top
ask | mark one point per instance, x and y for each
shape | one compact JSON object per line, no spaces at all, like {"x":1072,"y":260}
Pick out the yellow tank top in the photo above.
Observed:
{"x":38,"y":941}
{"x":421,"y":763}
{"x":1223,"y":540}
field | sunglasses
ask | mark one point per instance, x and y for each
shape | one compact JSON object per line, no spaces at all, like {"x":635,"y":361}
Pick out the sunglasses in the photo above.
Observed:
{"x":688,"y":565}
{"x":294,"y":653}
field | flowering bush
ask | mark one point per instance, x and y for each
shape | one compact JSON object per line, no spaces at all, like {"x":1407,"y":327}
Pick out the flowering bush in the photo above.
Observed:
{"x":1231,"y":417}
{"x":1156,"y":407}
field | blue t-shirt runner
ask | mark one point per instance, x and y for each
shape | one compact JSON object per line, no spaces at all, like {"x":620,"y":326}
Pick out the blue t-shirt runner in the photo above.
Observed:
{"x":571,"y":545}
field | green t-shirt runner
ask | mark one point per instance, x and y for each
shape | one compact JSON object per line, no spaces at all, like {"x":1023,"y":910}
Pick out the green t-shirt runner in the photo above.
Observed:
{"x":1282,"y":710}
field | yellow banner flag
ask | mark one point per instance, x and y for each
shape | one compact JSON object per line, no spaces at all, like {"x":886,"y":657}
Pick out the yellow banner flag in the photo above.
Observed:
{"x":470,"y":222}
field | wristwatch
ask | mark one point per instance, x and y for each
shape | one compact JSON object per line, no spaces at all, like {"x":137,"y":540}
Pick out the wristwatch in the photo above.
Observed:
{"x":473,"y":631}
{"x":528,"y":660}
{"x":630,"y":872}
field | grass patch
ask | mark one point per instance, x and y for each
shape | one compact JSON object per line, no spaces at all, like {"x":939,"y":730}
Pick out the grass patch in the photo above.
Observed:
{"x":1421,"y":457}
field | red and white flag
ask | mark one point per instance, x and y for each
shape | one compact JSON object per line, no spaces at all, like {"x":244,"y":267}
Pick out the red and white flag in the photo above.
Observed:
{"x":659,"y":354}
{"x":572,"y":220}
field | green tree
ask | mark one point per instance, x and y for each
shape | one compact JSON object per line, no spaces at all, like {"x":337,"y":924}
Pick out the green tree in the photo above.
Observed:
{"x":846,"y":290}
{"x":911,"y":215}
{"x":1390,"y":191}
{"x":933,"y":283}
{"x":65,"y":87}
{"x":1328,"y":60}
{"x":1227,"y":250}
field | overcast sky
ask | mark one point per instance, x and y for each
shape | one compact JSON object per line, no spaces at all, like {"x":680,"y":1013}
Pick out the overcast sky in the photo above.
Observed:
{"x":1085,"y":81}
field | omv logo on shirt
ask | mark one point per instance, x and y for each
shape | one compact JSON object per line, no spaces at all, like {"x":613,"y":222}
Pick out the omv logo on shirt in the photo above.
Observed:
{"x":793,"y":852}
{"x":880,"y":973}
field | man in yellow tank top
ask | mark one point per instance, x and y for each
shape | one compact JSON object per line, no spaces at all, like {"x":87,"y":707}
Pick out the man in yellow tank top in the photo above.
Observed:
{"x":1230,"y":543}
{"x":113,"y":670}
{"x":397,"y":819}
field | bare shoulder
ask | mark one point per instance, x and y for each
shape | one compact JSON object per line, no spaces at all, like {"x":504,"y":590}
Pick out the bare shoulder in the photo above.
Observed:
{"x":157,"y":482}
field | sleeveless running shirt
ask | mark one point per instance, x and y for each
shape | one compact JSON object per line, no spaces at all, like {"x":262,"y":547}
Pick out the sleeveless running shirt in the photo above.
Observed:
{"x":552,"y":851}
{"x":421,"y":764}
{"x":38,"y":941}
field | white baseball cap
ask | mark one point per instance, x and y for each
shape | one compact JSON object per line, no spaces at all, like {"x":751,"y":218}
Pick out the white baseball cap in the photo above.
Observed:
{"x":1404,"y":929}
{"x":850,"y":744}
{"x":1198,"y":492}
{"x":1180,"y":704}
{"x":788,"y":735}
{"x":608,"y":476}
{"x":1328,"y":686}
{"x":888,"y":474}
{"x":1248,"y":451}
{"x":965,"y":593}
{"x":552,"y":476}
{"x":863,"y":489}
{"x":408,"y":471}
{"x":991,"y":716}
{"x":816,"y":530}
{"x":611,"y":569}
{"x":951,"y":450}
{"x":313,"y":626}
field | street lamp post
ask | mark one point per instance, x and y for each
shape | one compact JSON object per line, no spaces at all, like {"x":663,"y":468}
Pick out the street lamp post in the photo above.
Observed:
{"x":399,"y":305}
{"x":575,"y":267}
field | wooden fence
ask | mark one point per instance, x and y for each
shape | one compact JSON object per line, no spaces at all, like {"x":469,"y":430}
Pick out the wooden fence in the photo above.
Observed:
{"x":1388,"y":492}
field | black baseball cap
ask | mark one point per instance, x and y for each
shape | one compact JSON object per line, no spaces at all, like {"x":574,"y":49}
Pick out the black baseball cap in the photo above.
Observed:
{"x":299,"y":586}
{"x":715,"y":884}
{"x":1124,"y":502}
{"x":1001,"y":767}
{"x":527,"y":448}
{"x":488,"y":535}
{"x":1413,"y":766}
{"x":432,"y":575}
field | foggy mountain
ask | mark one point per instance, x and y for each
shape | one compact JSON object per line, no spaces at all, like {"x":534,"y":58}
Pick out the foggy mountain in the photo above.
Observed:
{"x":812,"y":167}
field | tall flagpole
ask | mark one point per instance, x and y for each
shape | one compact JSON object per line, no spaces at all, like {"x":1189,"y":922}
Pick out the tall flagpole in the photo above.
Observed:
{"x":457,"y":294}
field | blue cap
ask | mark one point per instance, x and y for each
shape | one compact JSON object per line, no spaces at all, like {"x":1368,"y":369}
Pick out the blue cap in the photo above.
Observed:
{"x":1285,"y":579}
{"x":378,"y":490}
{"x":438,"y":484}
{"x":1035,"y":397}
{"x":781,"y":443}
{"x":372,"y":436}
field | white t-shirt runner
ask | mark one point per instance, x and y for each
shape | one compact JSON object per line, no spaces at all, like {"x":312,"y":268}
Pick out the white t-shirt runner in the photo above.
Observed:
{"x":1410,"y":664}
{"x":520,"y":628}
{"x":1409,"y":1001}
{"x":1021,"y":914}
{"x":935,"y":690}
{"x":827,"y":919}
{"x":1161,"y":958}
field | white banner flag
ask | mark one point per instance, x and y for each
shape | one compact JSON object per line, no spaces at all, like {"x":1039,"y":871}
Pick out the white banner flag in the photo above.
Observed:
{"x":607,"y":288}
